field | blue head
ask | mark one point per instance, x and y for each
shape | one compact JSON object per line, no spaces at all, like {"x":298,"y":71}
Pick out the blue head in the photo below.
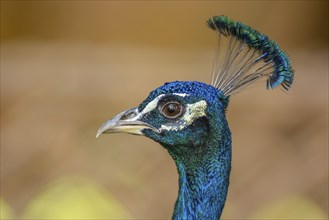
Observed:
{"x":188,"y":119}
{"x":181,"y":116}
{"x":184,"y":116}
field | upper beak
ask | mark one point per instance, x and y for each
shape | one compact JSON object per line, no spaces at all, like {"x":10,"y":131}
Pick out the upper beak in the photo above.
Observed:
{"x":125,"y":122}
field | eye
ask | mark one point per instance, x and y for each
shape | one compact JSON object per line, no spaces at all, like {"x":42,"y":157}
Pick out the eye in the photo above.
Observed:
{"x":172,"y":109}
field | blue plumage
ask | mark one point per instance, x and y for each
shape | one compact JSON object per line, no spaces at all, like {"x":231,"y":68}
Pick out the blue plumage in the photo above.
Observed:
{"x":188,"y":118}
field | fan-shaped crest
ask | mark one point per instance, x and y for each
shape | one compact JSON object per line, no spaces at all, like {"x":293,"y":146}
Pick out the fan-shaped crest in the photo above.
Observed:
{"x":245,"y":56}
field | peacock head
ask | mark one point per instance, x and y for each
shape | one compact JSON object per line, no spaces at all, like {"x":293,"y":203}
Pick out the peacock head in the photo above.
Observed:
{"x":179,"y":115}
{"x":182,"y":115}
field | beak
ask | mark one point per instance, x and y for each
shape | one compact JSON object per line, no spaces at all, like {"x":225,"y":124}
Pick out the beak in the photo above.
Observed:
{"x":126,"y":122}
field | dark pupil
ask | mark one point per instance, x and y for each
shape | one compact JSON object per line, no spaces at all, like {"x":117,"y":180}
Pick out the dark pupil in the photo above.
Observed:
{"x":172,"y":109}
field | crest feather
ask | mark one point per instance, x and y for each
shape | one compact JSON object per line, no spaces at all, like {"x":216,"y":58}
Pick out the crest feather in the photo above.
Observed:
{"x":247,"y":57}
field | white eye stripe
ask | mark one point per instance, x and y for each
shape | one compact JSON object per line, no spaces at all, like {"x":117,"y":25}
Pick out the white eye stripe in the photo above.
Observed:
{"x":148,"y":108}
{"x":181,"y":94}
{"x":152,"y":105}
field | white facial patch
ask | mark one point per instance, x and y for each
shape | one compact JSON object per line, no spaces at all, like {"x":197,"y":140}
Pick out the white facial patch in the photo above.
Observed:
{"x":148,"y":108}
{"x":193,"y":111}
{"x":152,"y":105}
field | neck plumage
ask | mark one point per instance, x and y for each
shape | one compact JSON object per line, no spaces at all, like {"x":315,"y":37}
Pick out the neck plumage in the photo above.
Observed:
{"x":203,"y":184}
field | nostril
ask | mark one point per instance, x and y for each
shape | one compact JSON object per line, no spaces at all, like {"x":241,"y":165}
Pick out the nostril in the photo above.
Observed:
{"x":128,"y":115}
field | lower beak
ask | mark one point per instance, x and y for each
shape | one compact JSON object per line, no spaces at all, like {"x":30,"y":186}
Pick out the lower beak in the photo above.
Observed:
{"x":125,"y":122}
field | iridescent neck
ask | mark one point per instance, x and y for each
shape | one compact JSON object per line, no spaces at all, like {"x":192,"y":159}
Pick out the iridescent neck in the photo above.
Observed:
{"x":203,"y":187}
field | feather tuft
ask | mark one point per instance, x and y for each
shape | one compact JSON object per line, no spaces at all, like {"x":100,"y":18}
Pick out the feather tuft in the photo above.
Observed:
{"x":247,"y":57}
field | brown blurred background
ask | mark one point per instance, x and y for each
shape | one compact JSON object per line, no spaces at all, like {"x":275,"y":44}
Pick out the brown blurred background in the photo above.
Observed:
{"x":67,"y":66}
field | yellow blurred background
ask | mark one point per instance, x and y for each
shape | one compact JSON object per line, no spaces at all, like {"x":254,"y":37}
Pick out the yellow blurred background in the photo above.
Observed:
{"x":67,"y":66}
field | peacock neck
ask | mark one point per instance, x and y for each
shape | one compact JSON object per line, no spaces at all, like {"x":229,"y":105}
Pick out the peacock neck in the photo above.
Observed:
{"x":203,"y":184}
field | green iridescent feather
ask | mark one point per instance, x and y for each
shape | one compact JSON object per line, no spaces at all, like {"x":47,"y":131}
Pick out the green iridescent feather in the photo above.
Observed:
{"x":269,"y":49}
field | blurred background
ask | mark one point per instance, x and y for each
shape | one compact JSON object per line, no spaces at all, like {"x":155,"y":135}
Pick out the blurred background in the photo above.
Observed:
{"x":67,"y":66}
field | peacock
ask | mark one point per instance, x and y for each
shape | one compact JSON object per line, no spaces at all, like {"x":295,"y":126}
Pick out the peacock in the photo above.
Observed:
{"x":188,"y":117}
